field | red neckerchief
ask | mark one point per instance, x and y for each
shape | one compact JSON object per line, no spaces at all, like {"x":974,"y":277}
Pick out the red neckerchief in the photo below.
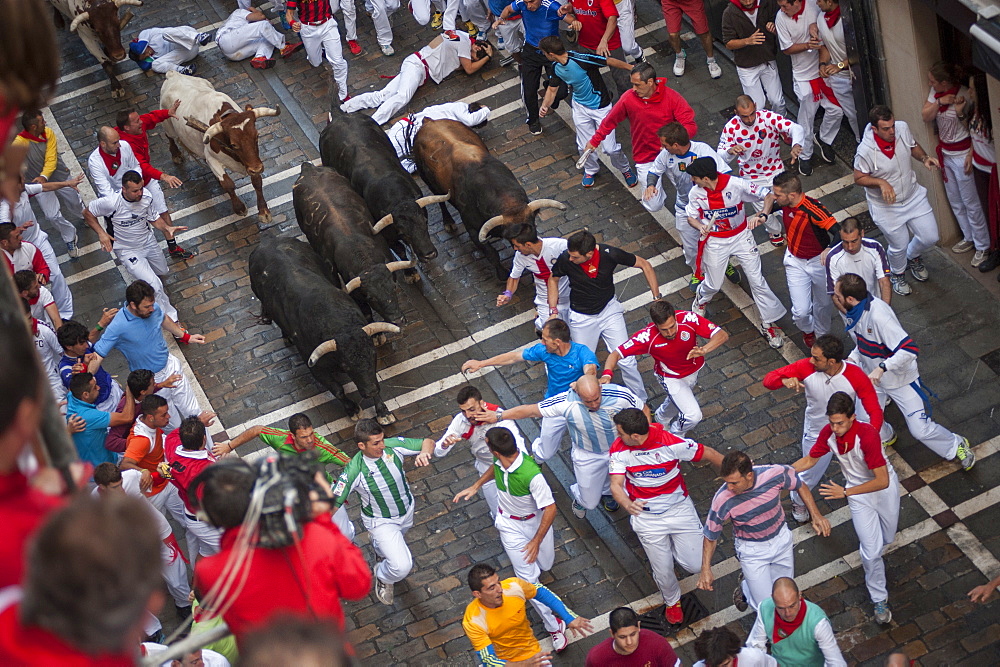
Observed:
{"x":744,"y":9}
{"x":657,"y":95}
{"x":796,"y":15}
{"x":112,"y":162}
{"x":721,"y":185}
{"x":937,"y":96}
{"x":832,"y":17}
{"x":888,"y":148}
{"x":820,"y":89}
{"x":30,"y":137}
{"x":846,"y":443}
{"x":489,"y":407}
{"x":784,"y":629}
{"x":34,"y":327}
{"x":591,"y":265}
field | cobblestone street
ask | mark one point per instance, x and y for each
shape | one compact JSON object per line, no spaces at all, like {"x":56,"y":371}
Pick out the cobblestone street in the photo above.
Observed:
{"x":948,"y":540}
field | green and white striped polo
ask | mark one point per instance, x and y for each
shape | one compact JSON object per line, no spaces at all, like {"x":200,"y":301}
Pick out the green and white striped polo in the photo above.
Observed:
{"x":380,"y":483}
{"x":521,"y":489}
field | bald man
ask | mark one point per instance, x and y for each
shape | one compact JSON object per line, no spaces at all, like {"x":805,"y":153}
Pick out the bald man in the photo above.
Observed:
{"x":800,"y":631}
{"x":589,"y":409}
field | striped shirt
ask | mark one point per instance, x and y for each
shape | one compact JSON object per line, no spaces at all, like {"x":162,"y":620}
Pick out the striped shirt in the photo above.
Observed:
{"x":591,"y":430}
{"x":809,"y":228}
{"x":380,"y":483}
{"x":756,"y":513}
{"x":282,"y":441}
{"x":311,"y":12}
{"x":652,"y":470}
{"x":870,"y":262}
{"x":724,"y":203}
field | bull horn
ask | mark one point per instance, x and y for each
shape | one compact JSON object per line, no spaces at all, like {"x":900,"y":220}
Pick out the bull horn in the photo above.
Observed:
{"x":399,"y":266}
{"x":488,"y":226}
{"x":260,"y":112}
{"x":213,"y":132}
{"x":433,"y":199}
{"x":134,"y":3}
{"x":545,"y":203}
{"x":353,"y":284}
{"x":380,"y":327}
{"x":382,"y":224}
{"x":80,"y":18}
{"x":321,"y":349}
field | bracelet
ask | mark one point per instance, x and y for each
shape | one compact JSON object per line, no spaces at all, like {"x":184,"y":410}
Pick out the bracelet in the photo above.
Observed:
{"x":553,"y":311}
{"x":607,"y":373}
{"x":507,"y":293}
{"x":186,"y":338}
{"x":99,"y":327}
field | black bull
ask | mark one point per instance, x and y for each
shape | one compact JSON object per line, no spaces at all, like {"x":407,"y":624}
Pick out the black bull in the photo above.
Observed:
{"x":322,"y":322}
{"x":452,"y":158}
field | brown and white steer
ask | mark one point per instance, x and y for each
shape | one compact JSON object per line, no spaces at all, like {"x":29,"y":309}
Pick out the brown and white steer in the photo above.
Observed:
{"x":100,"y":28}
{"x":213,"y":127}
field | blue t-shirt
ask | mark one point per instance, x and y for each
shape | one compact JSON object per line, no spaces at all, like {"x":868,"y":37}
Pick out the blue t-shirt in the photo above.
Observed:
{"x":90,"y":442}
{"x":103,"y":377}
{"x":562,"y":370}
{"x":583,"y":88}
{"x":538,"y":24}
{"x":138,"y":338}
{"x":497,"y":7}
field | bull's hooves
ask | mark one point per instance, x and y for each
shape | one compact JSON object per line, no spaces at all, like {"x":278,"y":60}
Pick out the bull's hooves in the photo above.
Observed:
{"x":118,"y":94}
{"x":240,"y":210}
{"x":379,"y":339}
{"x":264,"y":218}
{"x":178,"y":159}
{"x":387,"y":419}
{"x":449,"y":228}
{"x":411,"y":276}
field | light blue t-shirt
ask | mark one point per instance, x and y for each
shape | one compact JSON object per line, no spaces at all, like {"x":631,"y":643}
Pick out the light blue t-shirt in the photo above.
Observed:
{"x":90,"y":442}
{"x":562,"y":370}
{"x":583,"y":89}
{"x":138,"y":338}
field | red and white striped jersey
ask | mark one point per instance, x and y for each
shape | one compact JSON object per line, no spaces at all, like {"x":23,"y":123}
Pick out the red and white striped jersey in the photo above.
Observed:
{"x":761,"y":142}
{"x":725,"y":203}
{"x":652,"y":471}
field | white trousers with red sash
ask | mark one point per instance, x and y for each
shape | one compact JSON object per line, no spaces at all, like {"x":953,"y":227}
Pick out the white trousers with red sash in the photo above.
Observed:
{"x":392,"y":98}
{"x":713,"y":255}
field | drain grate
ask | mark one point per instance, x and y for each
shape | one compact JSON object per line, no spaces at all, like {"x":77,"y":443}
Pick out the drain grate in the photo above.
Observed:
{"x":654,"y":620}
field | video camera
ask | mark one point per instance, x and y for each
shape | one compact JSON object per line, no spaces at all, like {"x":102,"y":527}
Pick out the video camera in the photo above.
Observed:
{"x":285,"y":481}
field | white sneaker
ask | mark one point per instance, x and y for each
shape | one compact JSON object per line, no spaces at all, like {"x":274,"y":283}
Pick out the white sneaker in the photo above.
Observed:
{"x":980,"y":257}
{"x":714,"y":70}
{"x":698,"y":308}
{"x":680,"y":61}
{"x":387,"y":49}
{"x":899,"y":284}
{"x":800,"y":513}
{"x":559,"y":641}
{"x":73,"y":248}
{"x":773,"y":335}
{"x":962,"y":246}
{"x":383,"y":592}
{"x":579,"y":511}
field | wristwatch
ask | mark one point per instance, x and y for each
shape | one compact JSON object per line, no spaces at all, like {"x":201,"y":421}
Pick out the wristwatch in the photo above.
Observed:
{"x":881,"y":365}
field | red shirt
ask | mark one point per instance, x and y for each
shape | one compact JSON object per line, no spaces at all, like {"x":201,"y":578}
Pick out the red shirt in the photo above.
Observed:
{"x":594,"y":15}
{"x":653,"y":651}
{"x":185,"y":465}
{"x":333,"y":569}
{"x":23,"y":509}
{"x":671,"y":354}
{"x":140,"y":142}
{"x":646,"y":117}
{"x":20,"y":645}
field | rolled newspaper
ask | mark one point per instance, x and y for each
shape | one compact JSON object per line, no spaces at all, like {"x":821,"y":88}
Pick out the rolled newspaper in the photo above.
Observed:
{"x":583,"y":158}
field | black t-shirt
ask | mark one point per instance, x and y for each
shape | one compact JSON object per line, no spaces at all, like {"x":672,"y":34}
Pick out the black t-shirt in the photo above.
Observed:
{"x":589,"y":296}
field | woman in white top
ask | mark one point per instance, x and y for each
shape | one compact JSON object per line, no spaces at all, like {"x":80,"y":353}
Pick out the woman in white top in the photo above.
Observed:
{"x":982,"y":160}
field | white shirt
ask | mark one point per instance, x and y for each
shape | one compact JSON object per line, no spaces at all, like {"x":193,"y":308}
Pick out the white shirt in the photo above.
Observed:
{"x":22,"y":213}
{"x":880,"y":338}
{"x":805,"y":64}
{"x":402,"y":132}
{"x":591,"y":430}
{"x":749,"y":657}
{"x":38,"y":308}
{"x":870,"y":262}
{"x":103,"y":181}
{"x":833,"y":40}
{"x":22,"y":258}
{"x":208,"y":656}
{"x":443,"y":59}
{"x":236,"y":20}
{"x":898,"y":171}
{"x":540,"y":268}
{"x":129,"y":220}
{"x":985,"y":153}
{"x":130,"y":484}
{"x":726,"y":203}
{"x":761,"y":142}
{"x":823,"y":634}
{"x":674,"y":168}
{"x":50,"y":352}
{"x":476,"y":435}
{"x":950,"y":128}
{"x":540,"y":494}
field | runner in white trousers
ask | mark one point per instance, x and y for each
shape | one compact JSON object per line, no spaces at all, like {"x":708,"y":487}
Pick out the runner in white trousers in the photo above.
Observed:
{"x":715,"y":209}
{"x":536,"y":256}
{"x":595,"y":312}
{"x":247,"y":34}
{"x":168,"y":49}
{"x":321,"y":37}
{"x":887,"y":353}
{"x":646,"y":480}
{"x":898,"y":204}
{"x":469,"y":425}
{"x":834,"y":65}
{"x":524,"y":517}
{"x":626,"y":29}
{"x":871,"y":491}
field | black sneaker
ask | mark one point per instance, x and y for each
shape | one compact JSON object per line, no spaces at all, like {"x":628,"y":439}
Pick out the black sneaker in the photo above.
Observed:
{"x":178,"y":252}
{"x":204,"y":38}
{"x":826,"y":153}
{"x":991,"y":262}
{"x":609,"y":504}
{"x":739,"y":599}
{"x":733,"y":274}
{"x":805,"y":168}
{"x":535,"y":128}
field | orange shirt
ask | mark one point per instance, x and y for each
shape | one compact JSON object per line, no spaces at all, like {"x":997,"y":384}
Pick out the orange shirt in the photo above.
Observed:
{"x":145,"y":446}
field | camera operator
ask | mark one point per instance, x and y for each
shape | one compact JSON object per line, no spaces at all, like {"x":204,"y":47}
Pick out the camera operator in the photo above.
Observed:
{"x":307,"y":568}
